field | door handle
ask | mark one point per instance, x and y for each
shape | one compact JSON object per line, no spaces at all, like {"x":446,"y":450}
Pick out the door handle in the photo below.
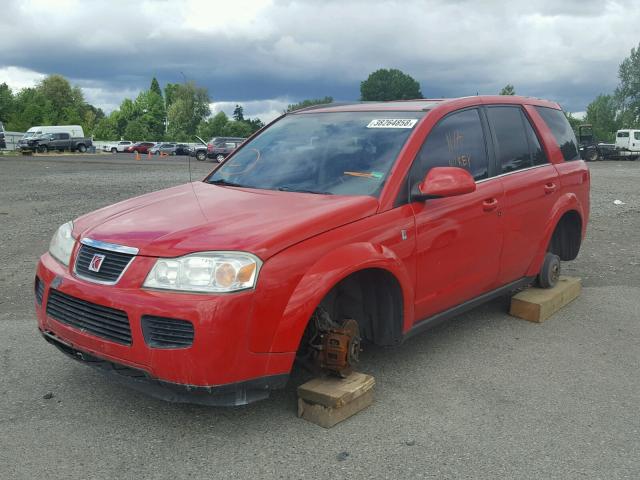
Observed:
{"x":550,"y":188}
{"x":490,"y":204}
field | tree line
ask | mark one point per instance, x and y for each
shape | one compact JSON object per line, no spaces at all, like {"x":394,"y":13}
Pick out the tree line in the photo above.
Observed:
{"x":178,"y":113}
{"x":182,"y":110}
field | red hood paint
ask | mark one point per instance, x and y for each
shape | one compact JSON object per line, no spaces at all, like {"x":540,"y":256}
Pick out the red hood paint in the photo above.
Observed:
{"x":200,"y":217}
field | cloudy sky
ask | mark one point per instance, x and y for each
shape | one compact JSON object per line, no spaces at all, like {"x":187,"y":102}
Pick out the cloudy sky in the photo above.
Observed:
{"x":265,"y":54}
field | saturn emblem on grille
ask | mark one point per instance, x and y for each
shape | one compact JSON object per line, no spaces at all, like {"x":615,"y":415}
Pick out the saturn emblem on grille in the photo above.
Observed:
{"x":96,"y":262}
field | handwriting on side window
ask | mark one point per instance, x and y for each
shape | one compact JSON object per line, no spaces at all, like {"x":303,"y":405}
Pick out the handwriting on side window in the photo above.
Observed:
{"x":455,"y":143}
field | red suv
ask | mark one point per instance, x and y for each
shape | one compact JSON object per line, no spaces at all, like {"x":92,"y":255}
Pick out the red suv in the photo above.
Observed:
{"x":334,"y":226}
{"x":140,"y":147}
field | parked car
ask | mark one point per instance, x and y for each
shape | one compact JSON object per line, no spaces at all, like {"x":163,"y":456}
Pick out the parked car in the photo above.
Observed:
{"x":116,"y":147}
{"x":219,"y":148}
{"x":334,"y":226}
{"x":3,"y":143}
{"x":57,"y":141}
{"x":140,"y":147}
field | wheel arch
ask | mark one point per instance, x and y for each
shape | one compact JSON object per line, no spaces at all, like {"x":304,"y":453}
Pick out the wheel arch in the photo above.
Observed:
{"x":372,"y":262}
{"x":564,"y":232}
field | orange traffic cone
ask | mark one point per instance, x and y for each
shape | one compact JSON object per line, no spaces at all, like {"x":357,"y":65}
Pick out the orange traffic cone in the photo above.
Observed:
{"x":148,"y":153}
{"x":137,"y":155}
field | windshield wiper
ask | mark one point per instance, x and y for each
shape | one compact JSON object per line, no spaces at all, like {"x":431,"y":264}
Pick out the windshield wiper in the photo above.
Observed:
{"x":286,"y":188}
{"x":226,"y":183}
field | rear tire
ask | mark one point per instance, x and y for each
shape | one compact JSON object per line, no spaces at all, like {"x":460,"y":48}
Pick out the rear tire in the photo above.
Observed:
{"x":550,"y":271}
{"x":219,"y":157}
{"x":592,"y":155}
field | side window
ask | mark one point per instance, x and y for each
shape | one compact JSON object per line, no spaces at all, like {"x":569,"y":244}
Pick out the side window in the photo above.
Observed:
{"x":512,"y":150}
{"x":456,"y":141}
{"x":623,"y":134}
{"x":537,"y":153}
{"x":562,"y":131}
{"x":64,"y":136}
{"x":636,"y":135}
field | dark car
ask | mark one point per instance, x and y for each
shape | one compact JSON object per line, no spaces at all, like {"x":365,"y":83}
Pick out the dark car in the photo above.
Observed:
{"x":3,"y":143}
{"x":140,"y":147}
{"x":219,"y":148}
{"x":170,"y":149}
{"x":57,"y":141}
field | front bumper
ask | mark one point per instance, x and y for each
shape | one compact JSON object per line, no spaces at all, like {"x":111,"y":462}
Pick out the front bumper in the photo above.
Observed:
{"x":218,"y":362}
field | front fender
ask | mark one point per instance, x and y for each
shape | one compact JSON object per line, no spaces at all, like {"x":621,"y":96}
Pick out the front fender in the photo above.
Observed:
{"x":564,"y":204}
{"x":324,"y":274}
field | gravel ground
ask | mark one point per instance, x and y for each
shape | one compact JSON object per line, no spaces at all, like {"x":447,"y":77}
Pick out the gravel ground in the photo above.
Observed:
{"x":484,"y":396}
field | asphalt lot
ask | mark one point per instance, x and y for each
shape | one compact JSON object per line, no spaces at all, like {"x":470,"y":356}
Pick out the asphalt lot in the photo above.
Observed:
{"x":484,"y":396}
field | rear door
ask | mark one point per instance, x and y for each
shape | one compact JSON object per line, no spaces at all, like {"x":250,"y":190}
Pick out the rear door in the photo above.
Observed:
{"x":531,"y":187}
{"x":458,"y":239}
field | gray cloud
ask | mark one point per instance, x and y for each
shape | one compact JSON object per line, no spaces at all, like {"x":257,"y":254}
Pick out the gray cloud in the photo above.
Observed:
{"x":248,"y":50}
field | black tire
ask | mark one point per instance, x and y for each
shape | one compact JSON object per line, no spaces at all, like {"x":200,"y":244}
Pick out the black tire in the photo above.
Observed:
{"x":201,"y":156}
{"x":550,"y":271}
{"x":82,"y":148}
{"x":219,"y":157}
{"x":42,"y":149}
{"x":114,"y":150}
{"x":592,"y":155}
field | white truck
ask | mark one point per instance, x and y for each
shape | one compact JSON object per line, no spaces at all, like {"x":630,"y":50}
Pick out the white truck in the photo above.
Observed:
{"x":627,"y":146}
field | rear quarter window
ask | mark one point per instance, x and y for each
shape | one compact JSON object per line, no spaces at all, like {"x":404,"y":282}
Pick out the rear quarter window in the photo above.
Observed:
{"x":562,"y":131}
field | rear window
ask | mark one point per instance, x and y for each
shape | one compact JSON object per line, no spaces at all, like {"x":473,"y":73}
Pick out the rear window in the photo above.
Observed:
{"x":623,"y":134}
{"x":562,"y":131}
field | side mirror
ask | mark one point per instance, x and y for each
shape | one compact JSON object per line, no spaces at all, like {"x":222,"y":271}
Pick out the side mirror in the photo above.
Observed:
{"x":446,"y":182}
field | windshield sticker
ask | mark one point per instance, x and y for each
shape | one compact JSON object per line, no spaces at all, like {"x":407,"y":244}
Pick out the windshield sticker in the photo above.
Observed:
{"x":375,"y":175}
{"x":392,"y":123}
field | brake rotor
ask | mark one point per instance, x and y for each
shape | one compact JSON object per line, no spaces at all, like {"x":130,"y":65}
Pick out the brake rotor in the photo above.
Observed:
{"x":340,"y":348}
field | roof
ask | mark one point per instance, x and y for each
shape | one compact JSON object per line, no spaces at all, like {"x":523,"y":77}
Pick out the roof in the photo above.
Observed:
{"x":424,"y":104}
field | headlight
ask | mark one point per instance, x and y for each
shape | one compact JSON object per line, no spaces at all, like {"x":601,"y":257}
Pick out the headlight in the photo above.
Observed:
{"x":61,"y":244}
{"x":206,"y":272}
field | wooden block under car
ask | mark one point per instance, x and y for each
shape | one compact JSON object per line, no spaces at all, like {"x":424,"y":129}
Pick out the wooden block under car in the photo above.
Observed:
{"x":329,"y":400}
{"x":538,"y":304}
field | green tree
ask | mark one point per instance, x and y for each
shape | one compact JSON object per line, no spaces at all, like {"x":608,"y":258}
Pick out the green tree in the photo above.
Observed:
{"x":137,"y":130}
{"x":107,"y":128}
{"x":628,"y":92}
{"x":235,"y":128}
{"x":308,"y":103}
{"x":213,"y":126}
{"x":238,"y":113}
{"x":573,"y":121}
{"x":602,"y":114}
{"x":254,"y":123}
{"x":6,"y":102}
{"x":189,"y":106}
{"x":390,"y":84}
{"x":508,"y":89}
{"x":155,"y":87}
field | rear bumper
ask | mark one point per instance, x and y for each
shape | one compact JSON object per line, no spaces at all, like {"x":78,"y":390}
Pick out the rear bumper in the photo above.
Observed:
{"x":219,"y":359}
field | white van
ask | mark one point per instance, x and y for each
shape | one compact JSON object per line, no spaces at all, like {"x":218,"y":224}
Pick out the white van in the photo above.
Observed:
{"x":72,"y":130}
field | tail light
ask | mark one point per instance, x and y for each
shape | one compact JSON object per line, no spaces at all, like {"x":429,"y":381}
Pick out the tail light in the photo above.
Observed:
{"x":209,"y":147}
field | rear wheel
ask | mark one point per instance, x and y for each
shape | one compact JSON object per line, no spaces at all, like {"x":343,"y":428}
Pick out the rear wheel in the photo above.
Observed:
{"x":219,"y":157}
{"x":592,"y":155}
{"x":550,"y":271}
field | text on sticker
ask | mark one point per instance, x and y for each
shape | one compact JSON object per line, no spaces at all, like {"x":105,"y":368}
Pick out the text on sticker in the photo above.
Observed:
{"x":392,"y":123}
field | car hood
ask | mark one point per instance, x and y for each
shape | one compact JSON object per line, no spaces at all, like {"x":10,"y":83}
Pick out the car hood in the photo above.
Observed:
{"x":199,"y":217}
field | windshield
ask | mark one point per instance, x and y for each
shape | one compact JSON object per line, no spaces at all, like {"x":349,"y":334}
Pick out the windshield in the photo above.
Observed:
{"x":342,"y":153}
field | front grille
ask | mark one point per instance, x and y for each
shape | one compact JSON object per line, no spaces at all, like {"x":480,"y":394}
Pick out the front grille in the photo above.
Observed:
{"x":98,"y":320}
{"x":39,"y":290}
{"x":111,"y":268}
{"x":160,"y":332}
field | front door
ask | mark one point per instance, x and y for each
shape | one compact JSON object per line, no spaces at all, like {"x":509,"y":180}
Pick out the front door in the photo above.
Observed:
{"x":458,"y":239}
